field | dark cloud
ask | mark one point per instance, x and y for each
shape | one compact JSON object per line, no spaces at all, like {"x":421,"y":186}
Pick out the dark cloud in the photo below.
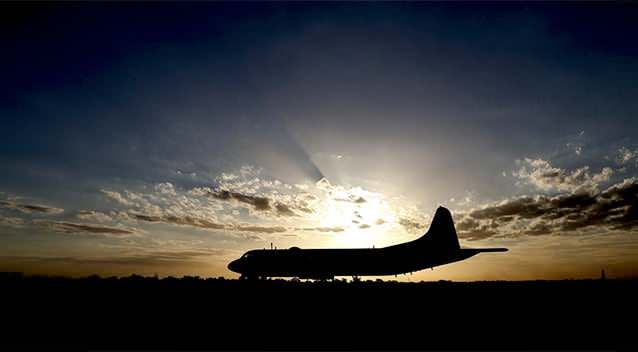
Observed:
{"x":471,"y":229}
{"x":304,"y":207}
{"x":479,"y":233}
{"x":177,"y":220}
{"x":30,"y":208}
{"x":69,"y":227}
{"x":260,"y":229}
{"x":148,"y":218}
{"x":190,"y":221}
{"x":186,"y":254}
{"x":259,"y":203}
{"x":615,"y":208}
{"x":11,"y":221}
{"x":206,"y":224}
{"x":322,"y":229}
{"x":467,"y":224}
{"x":210,"y":225}
{"x":525,"y":207}
{"x":364,"y":226}
{"x":540,"y":228}
{"x":284,"y":210}
{"x":505,"y":219}
{"x":149,"y":258}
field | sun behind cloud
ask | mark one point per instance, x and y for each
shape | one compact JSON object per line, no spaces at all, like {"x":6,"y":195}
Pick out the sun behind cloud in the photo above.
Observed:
{"x":361,"y":213}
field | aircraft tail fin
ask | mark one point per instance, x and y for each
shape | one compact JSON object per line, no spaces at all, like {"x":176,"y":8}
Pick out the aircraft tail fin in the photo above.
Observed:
{"x":442,"y":233}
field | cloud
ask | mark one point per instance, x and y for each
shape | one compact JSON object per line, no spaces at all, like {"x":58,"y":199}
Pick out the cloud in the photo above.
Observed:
{"x":187,"y":220}
{"x":259,"y":203}
{"x":69,"y":227}
{"x":540,"y":228}
{"x":523,"y":207}
{"x":142,"y":259}
{"x":615,"y":208}
{"x":541,"y":174}
{"x":259,"y":229}
{"x":364,"y":226}
{"x":342,"y":194}
{"x":352,"y":199}
{"x":412,"y":226}
{"x":30,"y":208}
{"x":322,"y":229}
{"x":242,"y":197}
{"x":626,"y":155}
{"x":467,"y":224}
{"x":471,"y":229}
{"x":479,"y":233}
{"x":10,"y":221}
{"x":284,"y":210}
{"x":205,"y":224}
{"x":90,"y":215}
{"x":177,"y":220}
{"x":165,"y":188}
{"x":116,"y":196}
{"x":148,"y":218}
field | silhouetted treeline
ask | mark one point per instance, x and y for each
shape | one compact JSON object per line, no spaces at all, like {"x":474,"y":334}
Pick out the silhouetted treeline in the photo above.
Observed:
{"x":190,"y":312}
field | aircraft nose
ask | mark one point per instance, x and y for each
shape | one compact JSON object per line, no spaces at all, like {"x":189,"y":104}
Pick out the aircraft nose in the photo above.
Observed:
{"x":234,"y":266}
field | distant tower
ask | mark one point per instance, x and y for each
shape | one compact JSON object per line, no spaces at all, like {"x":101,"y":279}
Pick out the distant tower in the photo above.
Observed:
{"x":602,"y":274}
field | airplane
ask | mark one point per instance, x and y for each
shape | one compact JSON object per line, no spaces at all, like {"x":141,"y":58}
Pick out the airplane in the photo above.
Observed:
{"x":438,"y":246}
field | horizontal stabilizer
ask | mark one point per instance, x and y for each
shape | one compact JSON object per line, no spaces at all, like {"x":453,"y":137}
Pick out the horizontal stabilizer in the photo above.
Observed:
{"x":491,"y":249}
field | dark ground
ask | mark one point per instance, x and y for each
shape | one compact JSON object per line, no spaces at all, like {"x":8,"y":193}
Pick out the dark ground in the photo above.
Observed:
{"x":192,"y":313}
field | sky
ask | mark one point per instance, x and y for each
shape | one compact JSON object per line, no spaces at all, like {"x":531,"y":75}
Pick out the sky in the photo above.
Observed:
{"x":170,"y":138}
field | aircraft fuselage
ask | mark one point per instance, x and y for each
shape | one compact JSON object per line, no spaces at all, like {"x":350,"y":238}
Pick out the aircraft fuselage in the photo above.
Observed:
{"x":328,"y":263}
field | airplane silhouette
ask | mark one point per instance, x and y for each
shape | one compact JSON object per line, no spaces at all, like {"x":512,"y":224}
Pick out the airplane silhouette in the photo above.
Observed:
{"x":438,"y":246}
